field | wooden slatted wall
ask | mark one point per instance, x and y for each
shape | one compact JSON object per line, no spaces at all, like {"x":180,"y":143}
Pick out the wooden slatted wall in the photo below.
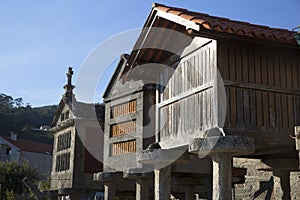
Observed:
{"x":186,"y":104}
{"x":262,"y":87}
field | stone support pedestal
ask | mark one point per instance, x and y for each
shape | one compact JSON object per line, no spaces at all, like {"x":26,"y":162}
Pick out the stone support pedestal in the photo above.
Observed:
{"x":109,"y":179}
{"x":109,"y":190}
{"x":222,"y":176}
{"x":142,"y":180}
{"x":221,"y":149}
{"x":297,"y":140}
{"x":189,"y":193}
{"x":282,"y":184}
{"x":162,"y":183}
{"x":142,"y":189}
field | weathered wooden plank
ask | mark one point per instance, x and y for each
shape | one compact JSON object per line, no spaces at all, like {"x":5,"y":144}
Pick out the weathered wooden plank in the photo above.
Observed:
{"x":270,"y":70}
{"x":261,"y":87}
{"x":240,"y":108}
{"x":227,"y":123}
{"x":284,"y":111}
{"x":258,"y":67}
{"x":295,"y":73}
{"x":264,"y":69}
{"x":233,"y":107}
{"x":253,"y":111}
{"x":297,"y":109}
{"x":278,"y":106}
{"x":246,"y":111}
{"x":288,"y":72}
{"x":291,"y":116}
{"x":259,"y":110}
{"x":265,"y":103}
{"x":245,"y":64}
{"x":282,"y":71}
{"x":272,"y":111}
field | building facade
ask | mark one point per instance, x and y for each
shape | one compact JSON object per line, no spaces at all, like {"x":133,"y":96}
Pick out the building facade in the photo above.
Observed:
{"x":38,"y":155}
{"x":203,"y":106}
{"x":77,"y":152}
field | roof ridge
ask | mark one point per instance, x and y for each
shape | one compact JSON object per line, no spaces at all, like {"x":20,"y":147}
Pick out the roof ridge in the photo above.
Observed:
{"x":227,"y":25}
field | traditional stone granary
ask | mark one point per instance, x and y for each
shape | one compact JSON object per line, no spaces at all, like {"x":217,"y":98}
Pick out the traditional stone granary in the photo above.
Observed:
{"x":78,"y":145}
{"x":203,"y":106}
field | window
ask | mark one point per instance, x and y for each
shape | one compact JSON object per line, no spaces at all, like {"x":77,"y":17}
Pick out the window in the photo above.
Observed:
{"x":62,"y":162}
{"x":65,"y":115}
{"x":123,"y":128}
{"x":123,"y":147}
{"x":8,"y":151}
{"x":64,"y":141}
{"x":123,"y":109}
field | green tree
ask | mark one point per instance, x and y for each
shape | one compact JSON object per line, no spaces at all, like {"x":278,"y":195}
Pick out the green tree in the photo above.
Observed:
{"x":12,"y":174}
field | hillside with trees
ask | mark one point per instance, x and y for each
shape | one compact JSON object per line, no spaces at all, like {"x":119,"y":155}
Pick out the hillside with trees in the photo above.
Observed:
{"x":20,"y":118}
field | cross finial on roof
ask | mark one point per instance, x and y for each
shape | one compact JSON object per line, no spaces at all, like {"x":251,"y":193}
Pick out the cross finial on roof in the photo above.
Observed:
{"x":69,"y":87}
{"x":69,"y":75}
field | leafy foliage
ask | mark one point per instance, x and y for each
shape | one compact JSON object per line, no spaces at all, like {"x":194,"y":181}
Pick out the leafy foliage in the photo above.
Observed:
{"x":11,"y":175}
{"x":15,"y":116}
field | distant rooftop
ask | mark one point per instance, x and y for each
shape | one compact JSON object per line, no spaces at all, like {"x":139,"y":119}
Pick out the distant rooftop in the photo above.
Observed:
{"x":29,"y":146}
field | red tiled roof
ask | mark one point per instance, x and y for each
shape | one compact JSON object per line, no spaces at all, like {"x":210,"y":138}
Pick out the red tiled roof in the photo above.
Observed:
{"x":29,"y":146}
{"x":226,"y":25}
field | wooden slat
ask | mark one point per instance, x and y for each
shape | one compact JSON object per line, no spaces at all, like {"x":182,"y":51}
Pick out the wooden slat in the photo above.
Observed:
{"x":290,"y":103}
{"x":278,"y":110}
{"x":259,"y":109}
{"x":124,"y":109}
{"x":123,"y":147}
{"x":265,"y":104}
{"x":123,"y":128}
{"x":284,"y":111}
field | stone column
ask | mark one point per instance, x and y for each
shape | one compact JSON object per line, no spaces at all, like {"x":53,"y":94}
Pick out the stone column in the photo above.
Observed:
{"x":282,"y":184}
{"x":109,"y":190}
{"x":222,"y":176}
{"x":297,"y":140}
{"x":141,"y":182}
{"x":221,"y":149}
{"x":189,"y":193}
{"x":142,"y":189}
{"x":162,"y":183}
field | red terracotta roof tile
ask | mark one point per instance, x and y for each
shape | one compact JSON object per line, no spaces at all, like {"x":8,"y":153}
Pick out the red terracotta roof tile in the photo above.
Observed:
{"x":226,"y":25}
{"x":29,"y":146}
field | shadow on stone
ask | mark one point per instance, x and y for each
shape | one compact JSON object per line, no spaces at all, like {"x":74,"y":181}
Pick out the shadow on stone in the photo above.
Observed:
{"x":265,"y":186}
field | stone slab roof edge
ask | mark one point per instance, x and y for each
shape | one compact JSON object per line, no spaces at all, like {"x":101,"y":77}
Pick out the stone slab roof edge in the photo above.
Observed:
{"x":225,"y":25}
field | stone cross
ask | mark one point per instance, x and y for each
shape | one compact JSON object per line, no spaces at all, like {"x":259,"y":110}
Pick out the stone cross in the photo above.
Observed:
{"x":69,"y":75}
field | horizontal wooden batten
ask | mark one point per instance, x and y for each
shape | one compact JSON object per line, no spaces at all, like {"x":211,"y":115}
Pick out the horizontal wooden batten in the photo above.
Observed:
{"x":187,"y":94}
{"x":123,"y":128}
{"x":123,"y":147}
{"x":123,"y":109}
{"x":261,"y":87}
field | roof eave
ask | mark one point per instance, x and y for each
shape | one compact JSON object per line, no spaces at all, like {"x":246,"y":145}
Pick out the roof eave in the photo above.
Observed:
{"x":177,"y":19}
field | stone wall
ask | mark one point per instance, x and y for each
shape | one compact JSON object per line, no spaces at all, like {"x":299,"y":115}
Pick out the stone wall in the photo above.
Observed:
{"x":262,"y":184}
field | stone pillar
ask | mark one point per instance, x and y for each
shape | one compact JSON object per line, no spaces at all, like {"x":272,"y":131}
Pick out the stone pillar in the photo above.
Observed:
{"x":221,"y":149}
{"x":141,"y":182}
{"x":297,"y":140}
{"x":282,"y":184}
{"x":189,"y":193}
{"x":222,"y":176}
{"x":142,"y":189}
{"x":74,"y":196}
{"x":109,"y":190}
{"x":162,"y":183}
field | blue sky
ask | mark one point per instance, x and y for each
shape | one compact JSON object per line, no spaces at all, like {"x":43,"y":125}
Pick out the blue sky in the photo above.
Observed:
{"x":40,"y":39}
